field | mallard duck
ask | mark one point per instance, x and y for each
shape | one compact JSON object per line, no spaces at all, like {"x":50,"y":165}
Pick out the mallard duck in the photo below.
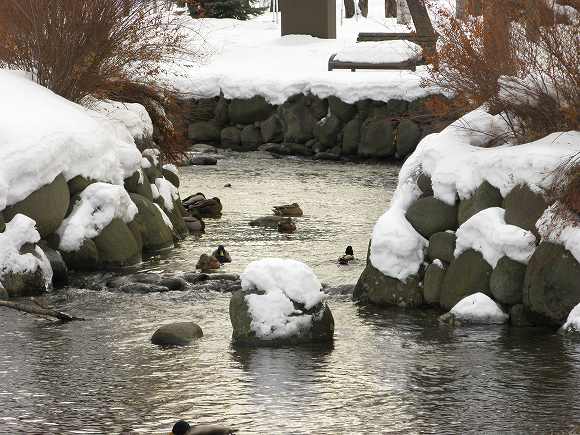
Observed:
{"x":286,"y":226}
{"x":222,"y":255}
{"x":207,"y":263}
{"x":184,"y":428}
{"x":347,"y":257}
{"x":192,"y":199}
{"x":292,"y":210}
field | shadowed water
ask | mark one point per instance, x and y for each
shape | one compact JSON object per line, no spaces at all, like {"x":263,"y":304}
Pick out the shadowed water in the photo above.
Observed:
{"x":389,"y":371}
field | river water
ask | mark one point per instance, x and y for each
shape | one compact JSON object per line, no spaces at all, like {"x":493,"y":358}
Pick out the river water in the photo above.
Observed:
{"x":389,"y":371}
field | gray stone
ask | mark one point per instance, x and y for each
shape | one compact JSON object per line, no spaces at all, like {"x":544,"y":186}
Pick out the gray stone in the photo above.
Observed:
{"x":176,"y":217}
{"x":156,"y":235}
{"x":507,"y":281}
{"x":431,"y":215}
{"x":2,"y":223}
{"x":432,"y":283}
{"x":351,"y":137}
{"x":143,"y":188}
{"x":424,"y":183}
{"x":442,"y":246}
{"x":78,"y":184}
{"x":485,"y":196}
{"x":174,"y":283}
{"x":469,"y":273}
{"x":141,"y":288}
{"x":317,"y":106}
{"x":519,"y":316}
{"x":231,"y":137}
{"x":296,"y":149}
{"x":344,"y":111}
{"x":47,"y":206}
{"x":116,"y":245}
{"x":397,"y":107}
{"x":137,"y":232}
{"x":524,"y":207}
{"x":272,"y":129}
{"x":202,"y":161}
{"x":86,"y":258}
{"x":171,"y":176}
{"x":24,"y":283}
{"x":326,"y":131}
{"x":329,"y":156}
{"x":297,"y":119}
{"x":59,"y":267}
{"x":321,"y":331}
{"x":177,"y":334}
{"x":251,"y":138}
{"x":376,"y":139}
{"x":221,"y":116}
{"x":376,"y":288}
{"x":203,"y":109}
{"x":246,"y":112}
{"x":408,"y":136}
{"x":203,"y":131}
{"x":552,"y":284}
{"x":153,"y":172}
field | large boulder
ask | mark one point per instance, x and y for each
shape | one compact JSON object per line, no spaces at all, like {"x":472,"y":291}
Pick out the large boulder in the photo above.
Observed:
{"x":523,"y":208}
{"x":343,"y":111}
{"x":485,"y":196}
{"x":351,"y":137}
{"x":177,"y":334}
{"x":297,"y":119}
{"x":272,"y":129}
{"x":469,"y":273}
{"x":442,"y":246}
{"x":376,"y":138}
{"x":203,"y":132}
{"x":155,"y":233}
{"x":507,"y":281}
{"x":47,"y":206}
{"x":425,"y":184}
{"x":140,"y":184}
{"x":433,"y":282}
{"x":171,"y":176}
{"x":249,"y":111}
{"x":477,"y":308}
{"x":78,"y":184}
{"x":551,"y":286}
{"x":220,"y":114}
{"x":58,"y":265}
{"x":177,"y":220}
{"x":326,"y":131}
{"x":431,"y":215}
{"x":86,"y":258}
{"x":117,"y":246}
{"x":397,"y":107}
{"x":408,"y":136}
{"x":231,"y":137}
{"x":376,"y":288}
{"x":251,"y":138}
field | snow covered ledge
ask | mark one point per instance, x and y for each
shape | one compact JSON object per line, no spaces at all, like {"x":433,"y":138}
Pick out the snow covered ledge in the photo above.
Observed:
{"x":280,"y":303}
{"x":463,"y":220}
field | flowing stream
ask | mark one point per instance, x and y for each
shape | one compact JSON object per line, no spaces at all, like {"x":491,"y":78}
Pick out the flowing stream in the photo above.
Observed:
{"x":389,"y":371}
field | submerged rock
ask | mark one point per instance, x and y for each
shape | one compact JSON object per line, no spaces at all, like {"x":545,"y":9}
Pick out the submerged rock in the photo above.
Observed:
{"x":177,"y":334}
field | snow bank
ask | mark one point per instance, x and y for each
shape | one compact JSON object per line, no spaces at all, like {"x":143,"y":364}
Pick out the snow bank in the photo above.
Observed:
{"x":573,"y":321}
{"x":561,"y":226}
{"x":132,"y":115}
{"x":99,"y":204}
{"x":458,"y":164}
{"x":381,"y":52}
{"x":43,"y":135}
{"x":479,"y":308}
{"x":171,"y":168}
{"x":167,"y":191}
{"x":20,"y":231}
{"x":282,"y":281}
{"x":488,"y":233}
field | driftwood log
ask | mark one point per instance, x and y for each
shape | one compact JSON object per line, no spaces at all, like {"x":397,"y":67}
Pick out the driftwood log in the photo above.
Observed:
{"x":39,"y":310}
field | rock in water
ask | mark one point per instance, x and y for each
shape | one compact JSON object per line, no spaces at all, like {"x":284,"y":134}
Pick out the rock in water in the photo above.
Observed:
{"x":177,"y":334}
{"x":280,"y":303}
{"x":476,"y":308}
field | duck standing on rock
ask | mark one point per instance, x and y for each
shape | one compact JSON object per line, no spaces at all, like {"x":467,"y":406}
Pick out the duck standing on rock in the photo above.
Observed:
{"x":184,"y":428}
{"x":292,"y":210}
{"x":347,"y":257}
{"x":222,"y":255}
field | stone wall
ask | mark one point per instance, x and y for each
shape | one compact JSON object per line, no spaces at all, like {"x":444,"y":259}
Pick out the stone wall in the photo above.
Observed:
{"x":542,"y":292}
{"x":306,"y":125}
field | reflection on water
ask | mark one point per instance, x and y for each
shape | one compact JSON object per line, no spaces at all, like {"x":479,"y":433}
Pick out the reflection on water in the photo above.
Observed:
{"x":389,"y":371}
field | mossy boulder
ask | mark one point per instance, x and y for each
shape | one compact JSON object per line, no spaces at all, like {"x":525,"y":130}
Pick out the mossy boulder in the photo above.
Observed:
{"x":519,"y":316}
{"x":343,"y":111}
{"x":58,"y":265}
{"x":485,"y":196}
{"x":431,"y":215}
{"x":552,"y":283}
{"x":376,"y":288}
{"x":47,"y":206}
{"x":24,"y":283}
{"x":397,"y":107}
{"x":469,"y":273}
{"x":203,"y":132}
{"x":171,"y":176}
{"x":351,"y":137}
{"x":442,"y":246}
{"x":176,"y":218}
{"x":85,"y":259}
{"x":251,"y":138}
{"x":524,"y":207}
{"x":425,"y":184}
{"x":297,"y":119}
{"x":78,"y":184}
{"x":272,"y":129}
{"x":326,"y":131}
{"x":433,"y":283}
{"x":376,"y":138}
{"x":408,"y":136}
{"x":248,"y":111}
{"x":177,"y":334}
{"x":156,"y":235}
{"x":231,"y":137}
{"x":116,"y":245}
{"x":140,"y":184}
{"x":507,"y":281}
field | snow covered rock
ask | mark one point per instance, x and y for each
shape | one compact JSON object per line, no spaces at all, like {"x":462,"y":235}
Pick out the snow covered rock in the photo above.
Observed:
{"x":155,"y":233}
{"x":485,"y":196}
{"x":476,"y":309}
{"x":281,"y":302}
{"x":573,"y":321}
{"x":133,"y":116}
{"x":24,"y":268}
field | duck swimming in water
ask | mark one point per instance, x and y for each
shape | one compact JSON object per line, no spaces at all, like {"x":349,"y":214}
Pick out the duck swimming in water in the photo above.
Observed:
{"x":183,"y":428}
{"x":347,"y":257}
{"x":222,"y":255}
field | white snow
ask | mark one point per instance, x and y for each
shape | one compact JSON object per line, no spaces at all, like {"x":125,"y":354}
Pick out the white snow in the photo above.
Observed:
{"x":282,"y":281}
{"x":381,"y":52}
{"x":164,"y":216}
{"x":43,"y":135}
{"x":132,"y":115}
{"x":458,"y":163}
{"x":479,"y":308}
{"x":573,"y":321}
{"x":20,"y":231}
{"x":152,"y":153}
{"x":99,"y":204}
{"x":488,"y":233}
{"x":155,"y":191}
{"x":171,"y":168}
{"x":560,"y":225}
{"x":167,"y":191}
{"x":145,"y":163}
